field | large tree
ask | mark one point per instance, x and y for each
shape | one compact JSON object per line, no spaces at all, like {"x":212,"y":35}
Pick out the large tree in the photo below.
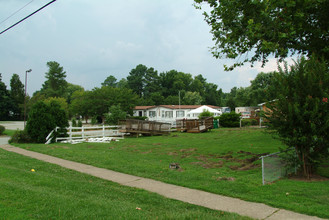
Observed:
{"x":55,"y":85}
{"x":17,"y":95}
{"x":300,"y":115}
{"x":262,"y":28}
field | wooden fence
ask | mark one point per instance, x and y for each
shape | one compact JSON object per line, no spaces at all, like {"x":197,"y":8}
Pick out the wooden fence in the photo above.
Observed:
{"x":195,"y":125}
{"x":144,"y":127}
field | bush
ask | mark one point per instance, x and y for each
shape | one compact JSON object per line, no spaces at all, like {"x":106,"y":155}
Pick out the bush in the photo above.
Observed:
{"x":79,"y":123}
{"x":249,"y":122}
{"x":43,"y":119}
{"x":94,"y":120}
{"x":2,"y":129}
{"x":143,"y":118}
{"x":74,"y":122}
{"x":20,"y":137}
{"x":229,"y":120}
{"x":115,"y":115}
{"x":205,"y":114}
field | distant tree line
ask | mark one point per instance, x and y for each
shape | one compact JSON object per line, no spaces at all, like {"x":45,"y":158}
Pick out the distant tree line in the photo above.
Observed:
{"x":143,"y":86}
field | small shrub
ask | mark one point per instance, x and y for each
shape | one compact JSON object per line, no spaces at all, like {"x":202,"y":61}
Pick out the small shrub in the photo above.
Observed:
{"x":2,"y":129}
{"x":205,"y":114}
{"x":74,"y":122}
{"x":20,"y":137}
{"x":249,"y":122}
{"x":116,"y":114}
{"x":229,"y":120}
{"x":79,"y":123}
{"x":94,"y":120}
{"x":138,"y":117}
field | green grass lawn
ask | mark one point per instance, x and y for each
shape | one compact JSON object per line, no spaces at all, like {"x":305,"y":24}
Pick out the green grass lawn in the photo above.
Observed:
{"x":223,"y":161}
{"x":52,"y":192}
{"x":9,"y":132}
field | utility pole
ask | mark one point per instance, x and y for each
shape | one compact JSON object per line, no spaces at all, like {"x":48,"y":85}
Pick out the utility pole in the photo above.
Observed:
{"x":27,"y":71}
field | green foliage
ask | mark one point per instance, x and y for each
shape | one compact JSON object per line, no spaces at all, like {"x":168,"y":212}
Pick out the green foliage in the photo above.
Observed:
{"x":43,"y":119}
{"x":110,"y":81}
{"x":99,"y":100}
{"x":205,"y":114}
{"x":229,"y":120}
{"x":74,"y":122}
{"x":94,"y":120}
{"x":192,"y":98}
{"x":267,"y":27}
{"x":20,"y":136}
{"x":5,"y":101}
{"x":115,"y":114}
{"x":2,"y":129}
{"x":79,"y":123}
{"x":17,"y":95}
{"x":61,"y":101}
{"x":138,"y":117}
{"x":249,"y":122}
{"x":55,"y":85}
{"x":300,"y":115}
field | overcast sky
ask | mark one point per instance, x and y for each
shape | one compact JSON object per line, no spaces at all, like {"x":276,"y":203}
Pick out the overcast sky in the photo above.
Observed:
{"x":95,"y":39}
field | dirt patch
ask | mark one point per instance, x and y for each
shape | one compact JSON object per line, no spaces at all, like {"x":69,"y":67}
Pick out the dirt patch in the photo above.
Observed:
{"x":247,"y":166}
{"x":172,"y":153}
{"x":155,"y":144}
{"x":224,"y":178}
{"x":188,"y":150}
{"x":245,"y":163}
{"x":146,"y":152}
{"x":57,"y":147}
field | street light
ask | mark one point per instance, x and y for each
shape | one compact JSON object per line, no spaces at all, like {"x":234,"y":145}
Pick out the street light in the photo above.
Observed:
{"x":27,"y":71}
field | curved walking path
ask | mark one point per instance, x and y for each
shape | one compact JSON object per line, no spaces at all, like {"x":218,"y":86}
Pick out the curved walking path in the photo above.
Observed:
{"x":193,"y":196}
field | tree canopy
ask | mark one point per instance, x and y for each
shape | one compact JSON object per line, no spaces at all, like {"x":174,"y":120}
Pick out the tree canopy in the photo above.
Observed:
{"x":55,"y":84}
{"x":17,"y":95}
{"x":241,"y":28}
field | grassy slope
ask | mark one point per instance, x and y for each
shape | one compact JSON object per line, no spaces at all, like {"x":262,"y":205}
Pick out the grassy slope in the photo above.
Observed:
{"x":203,"y":167}
{"x":52,"y":192}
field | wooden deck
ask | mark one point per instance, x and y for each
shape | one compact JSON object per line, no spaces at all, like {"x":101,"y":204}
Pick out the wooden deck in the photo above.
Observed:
{"x":137,"y":127}
{"x":195,"y":125}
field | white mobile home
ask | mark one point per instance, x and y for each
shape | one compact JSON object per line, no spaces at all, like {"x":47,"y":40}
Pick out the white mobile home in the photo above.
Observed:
{"x":169,"y":113}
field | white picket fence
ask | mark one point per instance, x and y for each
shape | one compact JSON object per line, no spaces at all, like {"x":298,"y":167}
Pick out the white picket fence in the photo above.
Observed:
{"x":85,"y":133}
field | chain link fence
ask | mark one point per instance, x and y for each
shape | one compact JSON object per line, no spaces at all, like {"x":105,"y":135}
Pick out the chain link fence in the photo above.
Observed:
{"x":278,"y":165}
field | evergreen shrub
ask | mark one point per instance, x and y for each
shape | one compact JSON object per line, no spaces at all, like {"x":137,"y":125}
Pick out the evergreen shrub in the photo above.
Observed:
{"x":229,"y":120}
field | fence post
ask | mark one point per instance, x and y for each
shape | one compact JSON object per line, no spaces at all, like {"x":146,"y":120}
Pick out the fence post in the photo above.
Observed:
{"x":83,"y":132}
{"x":263,"y":170}
{"x":103,"y":131}
{"x":70,"y":133}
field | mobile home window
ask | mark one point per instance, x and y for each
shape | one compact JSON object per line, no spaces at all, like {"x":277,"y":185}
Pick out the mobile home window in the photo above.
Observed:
{"x":168,"y":114}
{"x":152,"y":114}
{"x":180,"y":114}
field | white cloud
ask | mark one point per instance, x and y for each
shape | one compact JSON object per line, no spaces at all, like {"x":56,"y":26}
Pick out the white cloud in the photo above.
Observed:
{"x":95,"y":39}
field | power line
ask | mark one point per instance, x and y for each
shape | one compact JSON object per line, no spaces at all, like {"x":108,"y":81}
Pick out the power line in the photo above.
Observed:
{"x":16,"y":12}
{"x":27,"y":16}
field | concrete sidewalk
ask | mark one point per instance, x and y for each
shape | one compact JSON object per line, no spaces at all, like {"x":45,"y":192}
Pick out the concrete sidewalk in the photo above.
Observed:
{"x":197,"y":197}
